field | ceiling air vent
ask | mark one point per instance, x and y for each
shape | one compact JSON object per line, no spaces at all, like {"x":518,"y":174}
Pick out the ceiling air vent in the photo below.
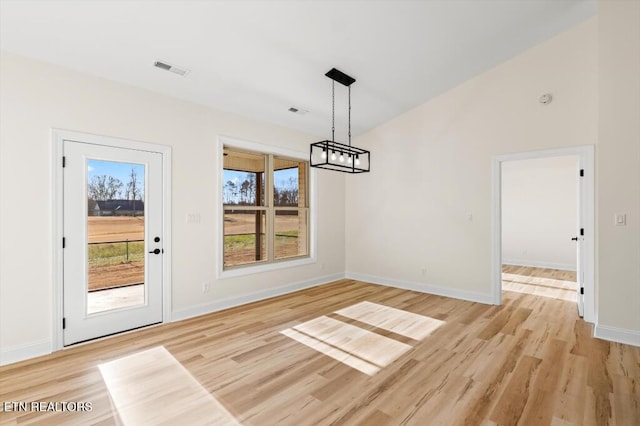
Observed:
{"x":168,"y":67}
{"x":298,"y":111}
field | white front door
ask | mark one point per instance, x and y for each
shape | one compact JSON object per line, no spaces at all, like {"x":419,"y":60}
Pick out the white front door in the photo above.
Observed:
{"x":113,"y":241}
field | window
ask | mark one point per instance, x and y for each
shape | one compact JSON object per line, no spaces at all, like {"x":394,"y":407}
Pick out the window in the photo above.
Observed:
{"x":266,"y":208}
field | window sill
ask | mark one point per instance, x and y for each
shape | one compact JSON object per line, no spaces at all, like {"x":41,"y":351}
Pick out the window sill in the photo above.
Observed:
{"x":257,"y":269}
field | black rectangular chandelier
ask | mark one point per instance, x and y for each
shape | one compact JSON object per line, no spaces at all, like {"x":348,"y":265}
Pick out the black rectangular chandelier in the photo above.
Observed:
{"x":332,"y":155}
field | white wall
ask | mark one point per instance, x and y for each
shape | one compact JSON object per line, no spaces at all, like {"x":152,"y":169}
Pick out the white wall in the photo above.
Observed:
{"x":618,"y":169}
{"x":539,"y":212}
{"x":432,"y":166}
{"x":407,"y":222}
{"x":35,"y":97}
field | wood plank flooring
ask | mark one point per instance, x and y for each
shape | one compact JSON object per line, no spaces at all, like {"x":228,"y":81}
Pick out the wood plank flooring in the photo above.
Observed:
{"x":348,"y":353}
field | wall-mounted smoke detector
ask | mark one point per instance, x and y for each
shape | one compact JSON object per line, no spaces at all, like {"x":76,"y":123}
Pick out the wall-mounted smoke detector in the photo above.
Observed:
{"x":298,"y":111}
{"x":173,"y":68}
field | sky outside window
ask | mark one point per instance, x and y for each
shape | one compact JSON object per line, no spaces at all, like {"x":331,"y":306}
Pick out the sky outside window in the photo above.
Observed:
{"x":118,"y":170}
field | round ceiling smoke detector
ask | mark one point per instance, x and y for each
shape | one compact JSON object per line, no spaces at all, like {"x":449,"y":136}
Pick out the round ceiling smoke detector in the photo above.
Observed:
{"x":546,"y":99}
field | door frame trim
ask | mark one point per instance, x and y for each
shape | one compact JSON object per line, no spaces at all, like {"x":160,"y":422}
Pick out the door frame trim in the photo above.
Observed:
{"x":586,"y":155}
{"x":58,"y":136}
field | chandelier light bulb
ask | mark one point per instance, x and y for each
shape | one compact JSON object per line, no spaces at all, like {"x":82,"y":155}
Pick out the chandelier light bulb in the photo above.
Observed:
{"x":324,"y":153}
{"x":341,"y":158}
{"x":357,"y":161}
{"x":349,"y":159}
{"x":333,"y":156}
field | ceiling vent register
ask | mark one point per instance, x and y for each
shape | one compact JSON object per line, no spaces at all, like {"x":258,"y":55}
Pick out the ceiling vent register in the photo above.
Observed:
{"x":168,"y":67}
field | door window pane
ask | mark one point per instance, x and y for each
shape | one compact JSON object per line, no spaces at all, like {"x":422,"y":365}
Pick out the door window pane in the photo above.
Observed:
{"x":115,"y":235}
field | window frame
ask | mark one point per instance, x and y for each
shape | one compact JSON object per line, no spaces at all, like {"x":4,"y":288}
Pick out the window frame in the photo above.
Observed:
{"x":271,"y":263}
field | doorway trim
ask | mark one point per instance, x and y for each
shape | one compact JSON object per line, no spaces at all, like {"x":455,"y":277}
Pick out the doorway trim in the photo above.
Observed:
{"x":58,"y":136}
{"x":586,"y":155}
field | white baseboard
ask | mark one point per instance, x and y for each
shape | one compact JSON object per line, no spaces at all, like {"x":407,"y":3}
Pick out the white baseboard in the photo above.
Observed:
{"x":232,"y":302}
{"x":23,"y":352}
{"x":536,"y":264}
{"x":620,"y":335}
{"x":424,"y":288}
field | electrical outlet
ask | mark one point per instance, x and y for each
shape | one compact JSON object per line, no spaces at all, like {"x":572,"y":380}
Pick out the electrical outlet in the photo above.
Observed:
{"x":423,"y":271}
{"x":205,"y":287}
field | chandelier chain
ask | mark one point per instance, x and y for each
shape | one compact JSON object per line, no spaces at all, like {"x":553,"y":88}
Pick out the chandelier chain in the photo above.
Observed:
{"x":333,"y":111}
{"x":349,"y":87}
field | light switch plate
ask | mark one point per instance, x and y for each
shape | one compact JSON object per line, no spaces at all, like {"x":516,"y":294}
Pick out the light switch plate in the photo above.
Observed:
{"x":193,"y":218}
{"x":620,"y":219}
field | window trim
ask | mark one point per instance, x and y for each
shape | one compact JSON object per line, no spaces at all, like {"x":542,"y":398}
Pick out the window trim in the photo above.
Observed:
{"x":249,"y":269}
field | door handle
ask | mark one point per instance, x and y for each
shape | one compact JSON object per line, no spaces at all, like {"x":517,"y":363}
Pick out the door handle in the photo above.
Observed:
{"x":573,"y":239}
{"x":156,"y":251}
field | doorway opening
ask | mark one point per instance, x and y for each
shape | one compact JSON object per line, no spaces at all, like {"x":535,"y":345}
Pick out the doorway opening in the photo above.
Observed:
{"x":539,"y":227}
{"x":543,"y":226}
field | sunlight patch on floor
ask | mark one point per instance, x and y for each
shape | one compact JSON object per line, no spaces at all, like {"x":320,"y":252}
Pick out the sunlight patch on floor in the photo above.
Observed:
{"x":542,"y":281}
{"x":408,"y":324}
{"x":364,"y":350}
{"x":152,"y":387}
{"x":332,"y":352}
{"x":540,"y":286}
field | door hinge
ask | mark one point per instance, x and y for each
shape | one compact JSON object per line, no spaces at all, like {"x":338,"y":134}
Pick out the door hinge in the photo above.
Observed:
{"x":64,"y":323}
{"x":581,"y":172}
{"x":64,"y":161}
{"x":581,"y":290}
{"x":582,"y":231}
{"x":64,"y":242}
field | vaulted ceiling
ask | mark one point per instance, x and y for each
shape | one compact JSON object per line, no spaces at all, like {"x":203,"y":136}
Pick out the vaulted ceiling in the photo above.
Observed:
{"x":258,"y":58}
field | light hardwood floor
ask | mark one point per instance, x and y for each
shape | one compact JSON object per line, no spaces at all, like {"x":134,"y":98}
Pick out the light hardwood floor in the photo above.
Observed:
{"x":349,"y":353}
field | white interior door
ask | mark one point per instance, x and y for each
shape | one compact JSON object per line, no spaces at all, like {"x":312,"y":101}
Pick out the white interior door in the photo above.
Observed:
{"x":113,"y":256}
{"x":580,"y":258}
